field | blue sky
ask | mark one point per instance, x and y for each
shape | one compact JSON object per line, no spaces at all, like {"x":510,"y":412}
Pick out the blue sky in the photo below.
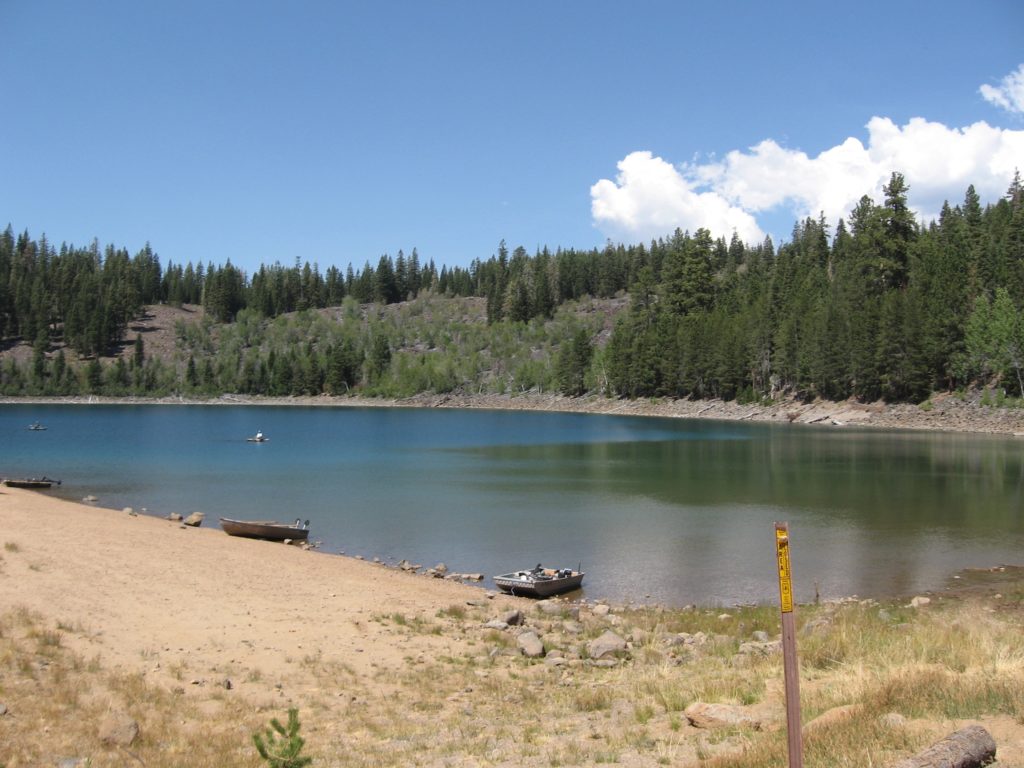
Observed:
{"x":335,"y":132}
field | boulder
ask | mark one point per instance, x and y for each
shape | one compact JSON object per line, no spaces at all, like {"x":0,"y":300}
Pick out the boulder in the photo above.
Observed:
{"x":175,"y":517}
{"x":530,"y":645}
{"x":513,"y":618}
{"x":761,"y":649}
{"x":118,"y":729}
{"x":194,"y":520}
{"x":551,"y":607}
{"x":833,"y":716}
{"x":702,"y":715}
{"x":920,"y":602}
{"x":572,"y":627}
{"x":607,"y":644}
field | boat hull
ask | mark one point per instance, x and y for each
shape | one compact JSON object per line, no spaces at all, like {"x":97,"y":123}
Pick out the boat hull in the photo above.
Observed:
{"x":528,"y":584}
{"x":29,"y":483}
{"x":264,"y":529}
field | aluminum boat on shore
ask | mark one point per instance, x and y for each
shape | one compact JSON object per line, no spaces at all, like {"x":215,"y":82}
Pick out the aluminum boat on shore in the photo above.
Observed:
{"x":271,"y":530}
{"x":30,"y":482}
{"x":540,"y":581}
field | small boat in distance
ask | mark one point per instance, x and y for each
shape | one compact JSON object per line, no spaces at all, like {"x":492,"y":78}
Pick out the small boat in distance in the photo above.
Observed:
{"x":540,"y":582}
{"x":259,"y":437}
{"x":36,"y":427}
{"x":271,"y":530}
{"x":30,"y":482}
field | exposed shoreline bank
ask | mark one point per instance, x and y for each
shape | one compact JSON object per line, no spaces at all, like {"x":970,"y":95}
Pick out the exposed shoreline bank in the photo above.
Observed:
{"x":943,"y":413}
{"x":198,"y":638}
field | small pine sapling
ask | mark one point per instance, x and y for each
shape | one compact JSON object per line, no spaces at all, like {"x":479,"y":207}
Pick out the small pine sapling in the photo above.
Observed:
{"x":282,"y":750}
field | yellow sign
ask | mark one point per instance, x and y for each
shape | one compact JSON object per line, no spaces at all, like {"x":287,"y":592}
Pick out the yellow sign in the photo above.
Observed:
{"x":785,"y":573}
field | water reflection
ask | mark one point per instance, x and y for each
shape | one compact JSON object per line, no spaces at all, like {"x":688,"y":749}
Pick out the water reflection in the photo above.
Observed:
{"x":668,"y":510}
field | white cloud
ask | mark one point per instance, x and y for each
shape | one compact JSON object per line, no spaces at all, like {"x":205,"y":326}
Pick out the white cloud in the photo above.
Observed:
{"x":650,"y":197}
{"x":1009,"y":94}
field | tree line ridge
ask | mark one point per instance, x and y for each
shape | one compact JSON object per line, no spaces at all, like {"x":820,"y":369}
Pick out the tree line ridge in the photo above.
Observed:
{"x":882,"y":307}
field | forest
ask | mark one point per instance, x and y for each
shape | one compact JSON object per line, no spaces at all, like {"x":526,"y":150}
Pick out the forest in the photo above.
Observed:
{"x":881,"y":306}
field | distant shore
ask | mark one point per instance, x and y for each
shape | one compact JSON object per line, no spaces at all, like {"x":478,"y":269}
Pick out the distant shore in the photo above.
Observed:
{"x":945,"y":412}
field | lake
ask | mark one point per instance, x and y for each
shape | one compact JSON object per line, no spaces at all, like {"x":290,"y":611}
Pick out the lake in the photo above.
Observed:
{"x":656,"y":510}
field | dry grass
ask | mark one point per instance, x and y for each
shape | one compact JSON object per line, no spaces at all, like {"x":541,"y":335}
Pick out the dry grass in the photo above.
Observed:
{"x":485,"y":704}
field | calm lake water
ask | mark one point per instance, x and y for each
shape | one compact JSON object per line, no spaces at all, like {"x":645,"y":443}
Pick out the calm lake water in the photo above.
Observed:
{"x":660,"y":510}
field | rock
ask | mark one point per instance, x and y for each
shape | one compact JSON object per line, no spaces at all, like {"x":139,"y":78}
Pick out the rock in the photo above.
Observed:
{"x":73,"y":762}
{"x":226,"y":684}
{"x":441,"y":568}
{"x":920,"y":602}
{"x":194,"y":520}
{"x":130,"y":511}
{"x":606,"y":645}
{"x":513,"y":618}
{"x":175,"y":517}
{"x":118,"y":729}
{"x":405,"y":565}
{"x":3,"y":710}
{"x":572,"y":627}
{"x":760,"y":636}
{"x":473,"y":576}
{"x":833,"y":716}
{"x":551,"y":607}
{"x":497,"y":624}
{"x":90,"y":499}
{"x":703,"y":715}
{"x":761,"y":649}
{"x":530,"y":645}
{"x":600,"y":610}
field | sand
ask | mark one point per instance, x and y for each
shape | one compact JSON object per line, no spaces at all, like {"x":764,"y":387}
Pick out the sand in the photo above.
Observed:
{"x":156,"y":594}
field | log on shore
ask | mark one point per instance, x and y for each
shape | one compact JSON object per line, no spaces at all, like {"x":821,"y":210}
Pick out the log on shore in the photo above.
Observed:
{"x":970,"y":747}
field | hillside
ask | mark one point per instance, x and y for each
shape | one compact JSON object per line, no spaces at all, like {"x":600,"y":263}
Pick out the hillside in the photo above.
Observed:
{"x":421,"y":326}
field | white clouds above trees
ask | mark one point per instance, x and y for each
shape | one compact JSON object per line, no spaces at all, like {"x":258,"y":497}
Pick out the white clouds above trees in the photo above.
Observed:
{"x":650,"y":197}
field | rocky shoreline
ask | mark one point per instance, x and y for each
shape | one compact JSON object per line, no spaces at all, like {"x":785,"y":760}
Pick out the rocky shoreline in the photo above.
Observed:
{"x":944,"y":412}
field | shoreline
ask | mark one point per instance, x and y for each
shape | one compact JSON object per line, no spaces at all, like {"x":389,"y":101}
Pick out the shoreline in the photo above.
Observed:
{"x":945,"y":412}
{"x":195,"y":639}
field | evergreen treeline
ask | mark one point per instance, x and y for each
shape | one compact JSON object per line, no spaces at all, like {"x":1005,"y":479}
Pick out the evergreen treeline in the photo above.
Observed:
{"x":882,"y":307}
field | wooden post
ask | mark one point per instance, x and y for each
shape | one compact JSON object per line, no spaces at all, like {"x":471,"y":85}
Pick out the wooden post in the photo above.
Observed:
{"x":791,"y":668}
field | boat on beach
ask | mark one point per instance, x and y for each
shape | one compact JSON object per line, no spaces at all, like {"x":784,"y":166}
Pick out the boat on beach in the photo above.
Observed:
{"x":540,"y":581}
{"x":30,"y":482}
{"x":271,"y":530}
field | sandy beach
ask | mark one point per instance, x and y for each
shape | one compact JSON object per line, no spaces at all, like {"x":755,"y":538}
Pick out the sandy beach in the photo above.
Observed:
{"x":143,"y":585}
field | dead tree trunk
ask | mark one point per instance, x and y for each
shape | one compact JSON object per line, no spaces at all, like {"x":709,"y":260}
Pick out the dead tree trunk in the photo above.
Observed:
{"x":970,"y":747}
